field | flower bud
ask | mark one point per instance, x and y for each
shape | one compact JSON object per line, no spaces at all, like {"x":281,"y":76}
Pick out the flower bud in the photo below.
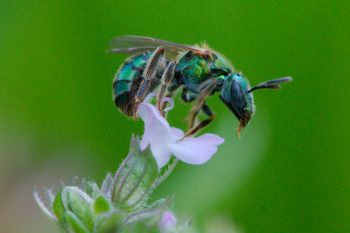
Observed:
{"x":73,"y":209}
{"x":135,"y":177}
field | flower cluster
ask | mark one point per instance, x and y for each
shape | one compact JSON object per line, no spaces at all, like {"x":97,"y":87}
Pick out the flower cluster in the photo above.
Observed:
{"x":120,"y":203}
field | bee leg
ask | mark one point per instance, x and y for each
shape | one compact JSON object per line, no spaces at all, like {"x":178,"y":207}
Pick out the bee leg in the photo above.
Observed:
{"x":187,"y":96}
{"x":154,"y":64}
{"x":205,"y":91}
{"x":202,"y":124}
{"x":170,"y":92}
{"x":167,"y":77}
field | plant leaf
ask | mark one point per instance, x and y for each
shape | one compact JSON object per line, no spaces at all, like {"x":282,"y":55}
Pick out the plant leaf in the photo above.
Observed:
{"x":75,"y":223}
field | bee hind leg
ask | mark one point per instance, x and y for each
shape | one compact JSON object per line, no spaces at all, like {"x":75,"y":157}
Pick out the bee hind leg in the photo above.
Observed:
{"x":166,"y":79}
{"x":155,"y":63}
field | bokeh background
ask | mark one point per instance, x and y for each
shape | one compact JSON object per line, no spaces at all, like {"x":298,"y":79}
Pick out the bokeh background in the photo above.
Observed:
{"x":290,"y":172}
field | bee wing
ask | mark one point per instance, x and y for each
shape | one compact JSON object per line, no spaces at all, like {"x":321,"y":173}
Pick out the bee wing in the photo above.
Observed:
{"x":135,"y":44}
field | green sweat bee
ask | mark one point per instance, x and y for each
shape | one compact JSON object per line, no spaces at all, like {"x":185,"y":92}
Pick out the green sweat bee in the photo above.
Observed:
{"x":198,"y":70}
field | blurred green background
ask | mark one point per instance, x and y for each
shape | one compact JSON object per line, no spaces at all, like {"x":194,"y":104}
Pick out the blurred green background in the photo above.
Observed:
{"x":290,"y":172}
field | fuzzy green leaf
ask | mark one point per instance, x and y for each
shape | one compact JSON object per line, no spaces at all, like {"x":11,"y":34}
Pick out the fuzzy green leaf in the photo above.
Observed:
{"x":80,"y":204}
{"x":109,"y":222}
{"x":101,"y":204}
{"x":91,"y":189}
{"x":46,"y":210}
{"x":59,"y":210}
{"x":107,"y":184}
{"x":75,"y":223}
{"x":135,"y":178}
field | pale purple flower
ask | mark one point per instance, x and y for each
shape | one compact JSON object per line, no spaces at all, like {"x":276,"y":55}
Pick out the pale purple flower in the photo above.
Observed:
{"x":166,"y":141}
{"x":167,"y":222}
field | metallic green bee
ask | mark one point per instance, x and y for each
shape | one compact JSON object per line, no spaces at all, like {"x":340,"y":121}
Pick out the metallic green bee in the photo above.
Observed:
{"x":199,"y":70}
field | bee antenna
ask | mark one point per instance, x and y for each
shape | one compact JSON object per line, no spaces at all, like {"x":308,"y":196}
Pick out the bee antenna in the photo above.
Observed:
{"x":271,"y":84}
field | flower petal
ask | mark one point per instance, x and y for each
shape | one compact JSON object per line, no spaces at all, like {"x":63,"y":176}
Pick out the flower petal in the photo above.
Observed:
{"x":157,"y":133}
{"x":156,"y":127}
{"x":177,"y":133}
{"x":196,"y":150}
{"x":161,"y":153}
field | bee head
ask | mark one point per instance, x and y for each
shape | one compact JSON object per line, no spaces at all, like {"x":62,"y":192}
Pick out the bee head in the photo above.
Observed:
{"x":235,"y":94}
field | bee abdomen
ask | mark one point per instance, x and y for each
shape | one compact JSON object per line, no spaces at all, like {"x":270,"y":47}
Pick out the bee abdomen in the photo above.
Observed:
{"x":127,"y":81}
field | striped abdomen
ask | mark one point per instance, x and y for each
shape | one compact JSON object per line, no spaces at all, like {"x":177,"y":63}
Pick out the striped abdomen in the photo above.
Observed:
{"x":127,"y":81}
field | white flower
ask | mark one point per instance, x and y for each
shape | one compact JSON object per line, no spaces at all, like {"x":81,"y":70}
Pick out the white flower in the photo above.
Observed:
{"x":166,"y":141}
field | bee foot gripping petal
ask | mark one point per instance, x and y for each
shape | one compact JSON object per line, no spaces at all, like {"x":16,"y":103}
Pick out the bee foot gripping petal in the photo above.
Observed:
{"x":171,"y":103}
{"x":169,"y":100}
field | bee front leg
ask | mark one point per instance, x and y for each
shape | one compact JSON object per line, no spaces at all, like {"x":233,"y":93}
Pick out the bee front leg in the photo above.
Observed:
{"x":206,"y":90}
{"x":167,"y":77}
{"x":149,"y":75}
{"x":205,"y":108}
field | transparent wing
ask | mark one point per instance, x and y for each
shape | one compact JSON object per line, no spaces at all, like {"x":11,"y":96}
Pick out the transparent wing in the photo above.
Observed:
{"x":135,"y":44}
